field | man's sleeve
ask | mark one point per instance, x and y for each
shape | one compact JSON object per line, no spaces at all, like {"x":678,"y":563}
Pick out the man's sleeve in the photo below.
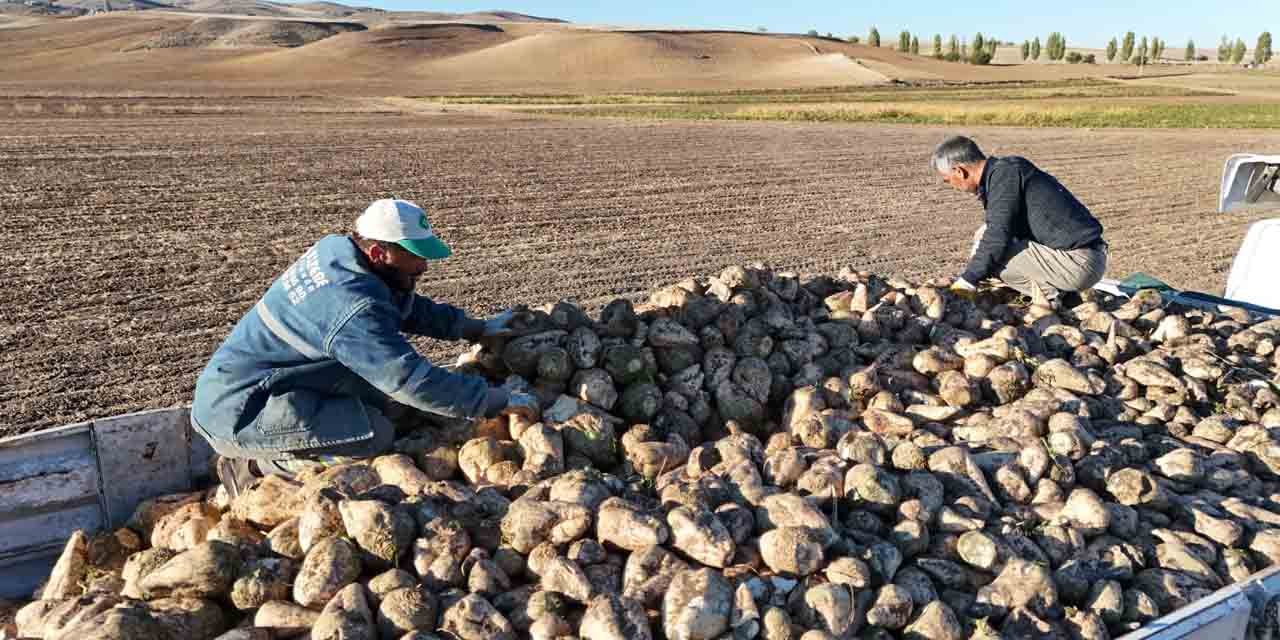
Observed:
{"x":371,"y":345}
{"x":440,"y":321}
{"x":1003,"y":192}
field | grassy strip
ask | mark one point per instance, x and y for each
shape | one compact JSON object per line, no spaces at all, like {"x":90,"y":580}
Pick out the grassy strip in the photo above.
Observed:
{"x":1176,"y":116}
{"x":1015,"y":91}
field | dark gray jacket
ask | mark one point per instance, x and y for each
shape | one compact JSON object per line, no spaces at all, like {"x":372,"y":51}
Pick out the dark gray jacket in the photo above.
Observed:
{"x":1024,"y":202}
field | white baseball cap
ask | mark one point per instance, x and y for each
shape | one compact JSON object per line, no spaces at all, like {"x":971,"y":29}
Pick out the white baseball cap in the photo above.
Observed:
{"x":403,"y":223}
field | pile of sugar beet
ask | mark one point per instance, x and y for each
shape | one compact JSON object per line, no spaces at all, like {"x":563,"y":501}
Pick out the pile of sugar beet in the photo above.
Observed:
{"x":752,"y":455}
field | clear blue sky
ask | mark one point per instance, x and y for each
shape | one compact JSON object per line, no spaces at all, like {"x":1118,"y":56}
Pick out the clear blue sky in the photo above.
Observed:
{"x":1083,"y":22}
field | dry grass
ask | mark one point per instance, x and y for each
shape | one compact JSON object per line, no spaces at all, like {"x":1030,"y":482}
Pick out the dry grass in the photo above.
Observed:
{"x":1177,"y":116}
{"x":1017,"y":91}
{"x":1256,"y":83}
{"x":1079,"y":103}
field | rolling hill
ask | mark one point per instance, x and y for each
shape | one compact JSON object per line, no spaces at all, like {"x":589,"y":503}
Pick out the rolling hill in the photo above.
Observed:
{"x":375,"y":53}
{"x":303,"y":10}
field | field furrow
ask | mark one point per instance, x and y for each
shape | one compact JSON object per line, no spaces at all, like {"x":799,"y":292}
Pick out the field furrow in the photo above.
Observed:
{"x":133,"y":242}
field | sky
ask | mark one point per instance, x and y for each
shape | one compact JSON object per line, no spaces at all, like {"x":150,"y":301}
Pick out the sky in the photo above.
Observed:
{"x":1087,"y":23}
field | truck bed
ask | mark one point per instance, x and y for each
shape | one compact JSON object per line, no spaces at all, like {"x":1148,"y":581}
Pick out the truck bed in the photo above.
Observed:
{"x":90,"y":476}
{"x":93,"y":475}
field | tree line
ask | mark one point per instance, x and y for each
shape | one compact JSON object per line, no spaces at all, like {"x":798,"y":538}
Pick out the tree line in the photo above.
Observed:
{"x":1131,"y":51}
{"x":980,"y":50}
{"x":1054,"y":49}
{"x":1148,"y":51}
{"x":1125,"y":50}
{"x":1234,"y":53}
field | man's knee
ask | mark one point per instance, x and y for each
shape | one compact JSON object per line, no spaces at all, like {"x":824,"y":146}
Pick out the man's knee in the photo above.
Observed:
{"x":291,"y":463}
{"x":1052,"y":270}
{"x":1092,"y":269}
{"x":225,"y":447}
{"x":1019,"y":281}
{"x":1074,"y":270}
{"x":382,"y":438}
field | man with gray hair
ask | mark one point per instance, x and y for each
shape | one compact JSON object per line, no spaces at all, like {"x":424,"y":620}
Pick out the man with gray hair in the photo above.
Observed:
{"x":1036,"y":234}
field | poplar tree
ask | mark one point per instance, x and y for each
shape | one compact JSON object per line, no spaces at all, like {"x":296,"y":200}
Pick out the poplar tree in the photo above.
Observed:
{"x":1262,"y":51}
{"x":1126,"y":49}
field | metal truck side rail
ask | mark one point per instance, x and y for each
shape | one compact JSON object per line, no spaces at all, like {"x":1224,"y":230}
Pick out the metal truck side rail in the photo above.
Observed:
{"x":1227,"y":614}
{"x":90,"y":476}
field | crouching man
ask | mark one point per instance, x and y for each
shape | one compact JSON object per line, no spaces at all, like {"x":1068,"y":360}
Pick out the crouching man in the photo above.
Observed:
{"x":1036,"y":232}
{"x":306,"y":374}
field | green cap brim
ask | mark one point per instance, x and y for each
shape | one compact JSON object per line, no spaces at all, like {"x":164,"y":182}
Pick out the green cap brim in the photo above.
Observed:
{"x":432,"y":248}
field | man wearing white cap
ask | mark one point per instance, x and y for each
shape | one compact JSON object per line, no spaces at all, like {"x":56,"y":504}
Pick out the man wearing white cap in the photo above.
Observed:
{"x":306,"y":373}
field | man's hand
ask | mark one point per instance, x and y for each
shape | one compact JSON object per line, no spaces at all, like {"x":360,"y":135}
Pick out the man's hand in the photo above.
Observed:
{"x":483,"y":331}
{"x":502,"y":402}
{"x":961,"y":288}
{"x":523,"y":405}
{"x":499,"y":325}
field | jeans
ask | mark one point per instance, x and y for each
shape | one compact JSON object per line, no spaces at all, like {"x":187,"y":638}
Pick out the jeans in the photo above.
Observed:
{"x":289,"y":462}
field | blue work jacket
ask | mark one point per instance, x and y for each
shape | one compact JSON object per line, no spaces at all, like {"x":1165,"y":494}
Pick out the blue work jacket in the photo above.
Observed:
{"x":323,"y":344}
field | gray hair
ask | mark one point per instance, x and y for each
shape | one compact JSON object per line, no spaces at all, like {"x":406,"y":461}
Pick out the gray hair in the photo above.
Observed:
{"x":956,"y":151}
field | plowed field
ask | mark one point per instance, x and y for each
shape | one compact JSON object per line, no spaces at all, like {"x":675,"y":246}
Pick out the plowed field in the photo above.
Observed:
{"x":133,"y":240}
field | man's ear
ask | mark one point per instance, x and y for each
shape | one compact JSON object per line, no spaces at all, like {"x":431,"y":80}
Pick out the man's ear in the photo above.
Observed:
{"x":377,"y":254}
{"x":963,"y":171}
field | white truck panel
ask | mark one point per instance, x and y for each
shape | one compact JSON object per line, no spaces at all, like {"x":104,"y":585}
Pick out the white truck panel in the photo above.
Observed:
{"x":1244,"y":173}
{"x":1254,"y":271}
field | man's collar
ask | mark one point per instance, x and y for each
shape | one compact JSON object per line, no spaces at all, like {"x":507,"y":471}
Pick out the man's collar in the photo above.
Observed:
{"x":982,"y":182}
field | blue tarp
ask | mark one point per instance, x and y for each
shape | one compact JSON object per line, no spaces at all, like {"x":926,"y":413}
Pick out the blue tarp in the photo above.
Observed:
{"x":1140,"y":281}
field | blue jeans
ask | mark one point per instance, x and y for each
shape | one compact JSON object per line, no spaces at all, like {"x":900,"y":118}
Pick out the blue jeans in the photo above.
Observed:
{"x":301,"y":415}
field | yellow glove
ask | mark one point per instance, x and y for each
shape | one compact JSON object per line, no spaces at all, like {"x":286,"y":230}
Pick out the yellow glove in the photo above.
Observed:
{"x":962,"y":289}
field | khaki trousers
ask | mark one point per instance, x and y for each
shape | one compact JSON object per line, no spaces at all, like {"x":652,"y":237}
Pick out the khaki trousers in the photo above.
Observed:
{"x":1053,"y":270}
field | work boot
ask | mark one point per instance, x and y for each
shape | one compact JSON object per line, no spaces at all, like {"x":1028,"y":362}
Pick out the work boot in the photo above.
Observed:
{"x":292,"y":468}
{"x":236,"y":475}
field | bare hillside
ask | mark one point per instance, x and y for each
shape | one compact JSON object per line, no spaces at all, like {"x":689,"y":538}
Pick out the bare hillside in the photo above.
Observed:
{"x":312,"y":10}
{"x":587,"y":61}
{"x":183,"y":53}
{"x":238,"y":33}
{"x":169,"y":53}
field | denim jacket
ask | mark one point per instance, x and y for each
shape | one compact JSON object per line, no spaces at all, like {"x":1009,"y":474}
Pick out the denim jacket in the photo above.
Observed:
{"x":322,"y":343}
